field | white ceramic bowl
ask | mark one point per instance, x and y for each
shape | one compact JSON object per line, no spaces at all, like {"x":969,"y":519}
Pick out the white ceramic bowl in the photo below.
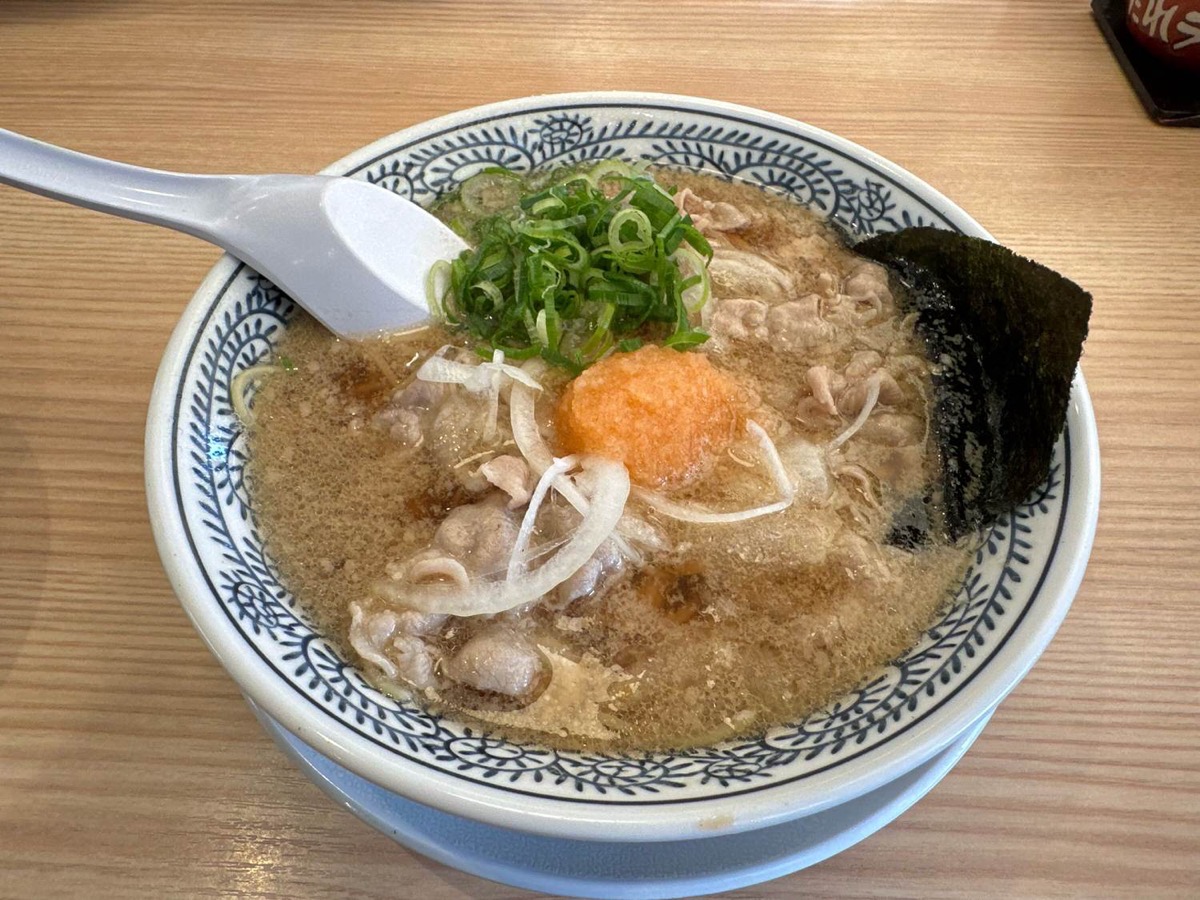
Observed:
{"x":1012,"y":601}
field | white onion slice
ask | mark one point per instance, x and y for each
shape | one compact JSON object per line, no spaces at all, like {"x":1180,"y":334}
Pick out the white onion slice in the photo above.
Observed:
{"x":439,"y":567}
{"x":239,"y":385}
{"x":700,"y":515}
{"x":541,"y":551}
{"x":637,"y":529}
{"x":476,"y":379}
{"x":775,"y":466}
{"x":868,"y":404}
{"x":516,"y":559}
{"x":493,"y":412}
{"x":524,"y":422}
{"x":490,"y":598}
{"x":529,"y":441}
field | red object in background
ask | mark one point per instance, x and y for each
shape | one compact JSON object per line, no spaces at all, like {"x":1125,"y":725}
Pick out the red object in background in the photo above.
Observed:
{"x":1170,"y":29}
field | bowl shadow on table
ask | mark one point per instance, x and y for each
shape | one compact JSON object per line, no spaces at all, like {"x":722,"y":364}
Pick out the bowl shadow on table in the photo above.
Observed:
{"x":24,"y":539}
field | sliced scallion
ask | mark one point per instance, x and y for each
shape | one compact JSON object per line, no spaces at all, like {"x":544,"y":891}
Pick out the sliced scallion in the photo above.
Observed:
{"x":574,"y":270}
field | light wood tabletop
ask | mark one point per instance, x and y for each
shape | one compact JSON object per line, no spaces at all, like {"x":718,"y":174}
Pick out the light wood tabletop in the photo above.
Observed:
{"x":129,"y":765}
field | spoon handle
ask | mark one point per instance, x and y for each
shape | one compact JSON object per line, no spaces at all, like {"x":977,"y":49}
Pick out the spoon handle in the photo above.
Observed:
{"x":182,"y":202}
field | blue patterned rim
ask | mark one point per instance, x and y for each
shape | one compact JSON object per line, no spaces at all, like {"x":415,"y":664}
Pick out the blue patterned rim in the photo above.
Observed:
{"x":299,"y":677}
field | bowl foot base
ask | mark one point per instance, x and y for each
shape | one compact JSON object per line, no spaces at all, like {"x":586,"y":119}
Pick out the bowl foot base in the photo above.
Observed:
{"x":619,"y":869}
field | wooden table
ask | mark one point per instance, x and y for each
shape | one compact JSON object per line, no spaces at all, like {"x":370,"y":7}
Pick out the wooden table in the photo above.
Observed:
{"x":129,"y":767}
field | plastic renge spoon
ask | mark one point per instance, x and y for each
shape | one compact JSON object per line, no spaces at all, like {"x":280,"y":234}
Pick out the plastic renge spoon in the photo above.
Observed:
{"x":354,"y":255}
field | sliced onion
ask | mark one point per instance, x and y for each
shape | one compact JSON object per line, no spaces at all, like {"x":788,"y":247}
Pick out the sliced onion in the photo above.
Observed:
{"x":775,"y":466}
{"x":700,"y":515}
{"x":490,"y":598}
{"x":524,"y":421}
{"x":541,"y":551}
{"x":439,"y":567}
{"x":868,"y":404}
{"x":637,"y":529}
{"x":240,"y":383}
{"x":476,"y":379}
{"x":516,"y":560}
{"x":529,"y":440}
{"x":493,"y":411}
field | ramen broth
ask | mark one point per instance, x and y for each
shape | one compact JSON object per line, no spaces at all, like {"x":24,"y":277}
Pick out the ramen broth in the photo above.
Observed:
{"x":702,"y":631}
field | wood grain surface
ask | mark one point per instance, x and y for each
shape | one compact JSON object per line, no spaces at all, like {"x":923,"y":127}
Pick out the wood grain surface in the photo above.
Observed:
{"x":129,"y":767}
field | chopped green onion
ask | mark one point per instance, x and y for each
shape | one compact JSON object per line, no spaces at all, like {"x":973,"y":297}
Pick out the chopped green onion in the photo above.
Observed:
{"x":610,"y":168}
{"x":491,"y":190}
{"x":438,"y":272}
{"x":489,"y":289}
{"x":641,"y":227}
{"x":697,"y":285}
{"x":547,"y":205}
{"x":685,"y":340}
{"x":572,"y":270}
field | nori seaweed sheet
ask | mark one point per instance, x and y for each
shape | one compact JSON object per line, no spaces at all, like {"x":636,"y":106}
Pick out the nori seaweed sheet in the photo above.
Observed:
{"x":1005,"y":335}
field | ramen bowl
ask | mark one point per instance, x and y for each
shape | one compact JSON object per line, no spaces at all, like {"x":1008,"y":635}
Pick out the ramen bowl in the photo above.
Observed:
{"x":1018,"y":588}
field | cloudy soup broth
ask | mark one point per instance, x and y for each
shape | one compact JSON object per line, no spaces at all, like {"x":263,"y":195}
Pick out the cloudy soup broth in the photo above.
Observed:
{"x":712,"y":523}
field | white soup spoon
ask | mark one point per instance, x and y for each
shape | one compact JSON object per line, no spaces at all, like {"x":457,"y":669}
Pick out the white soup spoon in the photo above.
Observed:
{"x":354,"y":255}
